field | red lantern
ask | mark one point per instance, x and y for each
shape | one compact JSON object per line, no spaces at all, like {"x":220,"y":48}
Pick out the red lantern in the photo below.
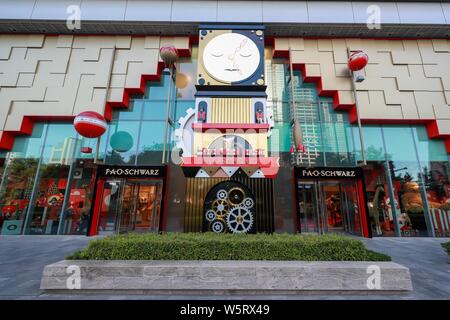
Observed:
{"x":169,"y":54}
{"x":90,"y":124}
{"x":357,"y":60}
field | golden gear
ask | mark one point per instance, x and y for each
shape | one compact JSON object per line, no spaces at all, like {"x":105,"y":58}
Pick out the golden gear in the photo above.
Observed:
{"x":236,"y":196}
{"x":220,"y":207}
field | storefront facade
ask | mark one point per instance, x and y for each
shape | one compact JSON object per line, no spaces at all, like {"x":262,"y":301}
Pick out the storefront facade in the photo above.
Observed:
{"x":230,"y":162}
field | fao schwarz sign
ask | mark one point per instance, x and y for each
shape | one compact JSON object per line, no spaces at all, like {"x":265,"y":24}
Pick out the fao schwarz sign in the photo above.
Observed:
{"x":328,"y":173}
{"x":131,"y":171}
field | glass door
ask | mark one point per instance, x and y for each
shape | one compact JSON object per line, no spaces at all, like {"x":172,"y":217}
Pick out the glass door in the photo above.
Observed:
{"x":309,"y":213}
{"x":140,"y":206}
{"x":147,"y":206}
{"x":350,"y":208}
{"x":328,"y":206}
{"x":127,"y":215}
{"x":110,"y":206}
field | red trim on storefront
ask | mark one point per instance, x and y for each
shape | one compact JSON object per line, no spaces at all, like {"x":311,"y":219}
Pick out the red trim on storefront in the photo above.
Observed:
{"x":97,"y":207}
{"x":224,"y":126}
{"x":297,"y":225}
{"x":362,"y":208}
{"x":432,"y":127}
{"x":165,"y":204}
{"x":7,"y":137}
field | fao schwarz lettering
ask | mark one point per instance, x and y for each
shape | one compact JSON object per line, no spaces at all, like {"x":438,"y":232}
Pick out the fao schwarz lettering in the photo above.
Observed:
{"x":328,"y":173}
{"x":132,"y":172}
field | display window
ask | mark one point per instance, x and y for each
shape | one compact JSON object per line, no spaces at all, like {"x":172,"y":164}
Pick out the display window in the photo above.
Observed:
{"x":406,"y":179}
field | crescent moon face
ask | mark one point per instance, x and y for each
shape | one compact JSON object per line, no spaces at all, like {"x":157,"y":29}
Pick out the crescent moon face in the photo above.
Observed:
{"x":231,"y":57}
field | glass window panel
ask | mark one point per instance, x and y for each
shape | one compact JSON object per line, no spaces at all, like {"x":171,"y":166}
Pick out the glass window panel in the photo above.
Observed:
{"x":435,"y":167}
{"x":122,"y":142}
{"x":154,"y":109}
{"x":407,"y":181}
{"x":17,"y":181}
{"x":133,"y":112}
{"x":76,"y":214}
{"x":373,"y":143}
{"x":59,"y":150}
{"x":159,"y":90}
{"x":280,"y":140}
{"x":151,"y":142}
{"x":186,"y":76}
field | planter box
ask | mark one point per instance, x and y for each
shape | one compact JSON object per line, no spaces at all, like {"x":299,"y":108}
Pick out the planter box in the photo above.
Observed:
{"x":223,"y":277}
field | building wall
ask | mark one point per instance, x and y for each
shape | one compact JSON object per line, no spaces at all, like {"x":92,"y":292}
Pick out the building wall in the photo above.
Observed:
{"x":43,"y":76}
{"x":406,"y":80}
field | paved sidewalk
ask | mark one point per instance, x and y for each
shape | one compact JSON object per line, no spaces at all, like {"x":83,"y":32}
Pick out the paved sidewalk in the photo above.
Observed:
{"x":22,"y":259}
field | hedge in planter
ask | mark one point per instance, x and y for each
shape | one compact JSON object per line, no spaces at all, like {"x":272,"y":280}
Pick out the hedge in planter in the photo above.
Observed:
{"x":210,"y":246}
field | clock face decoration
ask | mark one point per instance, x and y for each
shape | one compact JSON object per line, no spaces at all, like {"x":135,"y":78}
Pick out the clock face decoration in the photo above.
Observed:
{"x":231,"y":57}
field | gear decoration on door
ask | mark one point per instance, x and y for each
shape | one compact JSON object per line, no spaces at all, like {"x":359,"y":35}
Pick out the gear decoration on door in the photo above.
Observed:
{"x":210,"y":215}
{"x":239,"y":220}
{"x":221,"y":207}
{"x":229,"y":207}
{"x":218,"y":226}
{"x":222,"y":194}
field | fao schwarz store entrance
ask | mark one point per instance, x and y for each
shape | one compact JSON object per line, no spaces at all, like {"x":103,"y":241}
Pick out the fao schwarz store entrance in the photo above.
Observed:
{"x":128,"y":199}
{"x":331,"y":200}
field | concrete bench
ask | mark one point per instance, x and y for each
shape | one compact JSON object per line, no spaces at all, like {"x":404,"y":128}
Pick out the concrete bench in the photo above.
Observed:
{"x":224,"y":277}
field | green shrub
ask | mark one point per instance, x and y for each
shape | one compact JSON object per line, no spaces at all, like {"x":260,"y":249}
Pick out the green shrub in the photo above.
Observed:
{"x":210,"y":246}
{"x":446,"y":246}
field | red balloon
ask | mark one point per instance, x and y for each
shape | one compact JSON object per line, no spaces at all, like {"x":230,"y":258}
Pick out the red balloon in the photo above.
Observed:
{"x":90,"y":124}
{"x":357,"y":60}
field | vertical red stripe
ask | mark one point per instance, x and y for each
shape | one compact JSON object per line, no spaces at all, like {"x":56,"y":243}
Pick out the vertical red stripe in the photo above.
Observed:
{"x":97,"y":207}
{"x":164,"y":211}
{"x":362,"y":209}
{"x":296,"y":201}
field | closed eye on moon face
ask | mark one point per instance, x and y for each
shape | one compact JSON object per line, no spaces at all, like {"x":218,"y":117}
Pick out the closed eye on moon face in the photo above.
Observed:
{"x":245,"y":55}
{"x":217,"y":55}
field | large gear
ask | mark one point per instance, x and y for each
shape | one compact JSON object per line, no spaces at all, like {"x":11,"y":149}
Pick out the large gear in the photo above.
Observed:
{"x":179,"y":133}
{"x":239,"y":220}
{"x":220,"y":207}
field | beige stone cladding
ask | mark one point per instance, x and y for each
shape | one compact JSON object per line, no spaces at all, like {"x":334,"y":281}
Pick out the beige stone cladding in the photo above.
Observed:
{"x":406,"y":80}
{"x":49,"y":76}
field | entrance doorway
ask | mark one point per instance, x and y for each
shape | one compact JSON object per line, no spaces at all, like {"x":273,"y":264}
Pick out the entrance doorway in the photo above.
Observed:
{"x":130,"y":205}
{"x":328,"y":206}
{"x":331,"y":199}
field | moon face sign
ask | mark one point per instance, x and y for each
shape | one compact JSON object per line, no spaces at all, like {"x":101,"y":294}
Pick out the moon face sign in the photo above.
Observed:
{"x":231,"y":57}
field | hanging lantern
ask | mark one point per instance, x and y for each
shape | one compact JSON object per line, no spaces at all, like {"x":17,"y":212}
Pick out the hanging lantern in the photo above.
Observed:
{"x":357,"y":60}
{"x":169,"y":54}
{"x":90,"y":124}
{"x":121,"y":141}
